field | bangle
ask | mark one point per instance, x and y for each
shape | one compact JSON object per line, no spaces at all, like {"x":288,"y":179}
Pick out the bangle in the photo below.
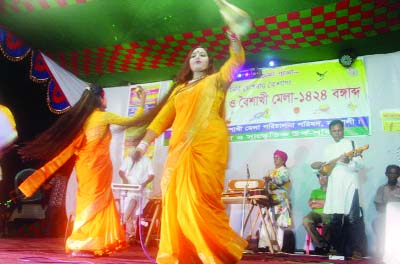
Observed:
{"x":142,"y":146}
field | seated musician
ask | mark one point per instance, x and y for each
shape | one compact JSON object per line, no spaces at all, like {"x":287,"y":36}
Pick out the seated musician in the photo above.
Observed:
{"x":317,"y":217}
{"x":139,"y":173}
{"x":278,"y":184}
{"x":342,"y":196}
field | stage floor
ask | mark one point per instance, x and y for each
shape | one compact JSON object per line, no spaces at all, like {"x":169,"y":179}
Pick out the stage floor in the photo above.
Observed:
{"x":51,"y":250}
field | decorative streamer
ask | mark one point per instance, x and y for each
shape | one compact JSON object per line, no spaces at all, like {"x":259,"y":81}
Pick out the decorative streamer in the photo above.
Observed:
{"x":12,"y":47}
{"x":38,"y":72}
{"x":56,"y":100}
{"x":15,"y":50}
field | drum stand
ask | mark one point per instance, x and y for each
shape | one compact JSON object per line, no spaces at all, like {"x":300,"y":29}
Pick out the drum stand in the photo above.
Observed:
{"x":265,"y":223}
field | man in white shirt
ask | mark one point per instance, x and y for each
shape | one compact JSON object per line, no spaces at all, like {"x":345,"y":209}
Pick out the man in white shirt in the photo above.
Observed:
{"x":387,"y":193}
{"x":139,"y":173}
{"x":343,"y":194}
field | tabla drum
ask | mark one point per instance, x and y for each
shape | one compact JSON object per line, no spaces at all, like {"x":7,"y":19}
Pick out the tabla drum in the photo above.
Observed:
{"x":151,"y":212}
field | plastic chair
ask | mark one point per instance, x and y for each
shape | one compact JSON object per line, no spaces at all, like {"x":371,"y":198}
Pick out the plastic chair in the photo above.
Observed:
{"x":27,"y":207}
{"x":308,"y":238}
{"x":27,"y":215}
{"x":19,"y":178}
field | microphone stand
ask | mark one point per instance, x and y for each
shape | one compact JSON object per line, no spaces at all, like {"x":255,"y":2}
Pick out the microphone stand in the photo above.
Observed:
{"x":244,"y":199}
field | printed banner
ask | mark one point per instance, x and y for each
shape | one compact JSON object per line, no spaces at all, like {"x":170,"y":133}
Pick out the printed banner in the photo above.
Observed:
{"x":391,"y":120}
{"x":299,"y":101}
{"x":152,"y":91}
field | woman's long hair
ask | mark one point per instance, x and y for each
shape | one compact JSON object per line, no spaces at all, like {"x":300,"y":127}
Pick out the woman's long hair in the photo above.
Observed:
{"x":52,"y":141}
{"x":183,"y":76}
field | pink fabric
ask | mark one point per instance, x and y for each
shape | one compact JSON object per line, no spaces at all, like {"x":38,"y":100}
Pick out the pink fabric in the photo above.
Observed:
{"x":282,"y":155}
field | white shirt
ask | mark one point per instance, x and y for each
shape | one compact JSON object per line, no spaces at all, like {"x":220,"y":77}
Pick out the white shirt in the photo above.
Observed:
{"x":136,"y":174}
{"x":343,"y":180}
{"x":139,"y":172}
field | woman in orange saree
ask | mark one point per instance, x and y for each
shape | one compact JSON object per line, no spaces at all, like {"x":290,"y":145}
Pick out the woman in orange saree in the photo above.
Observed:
{"x":194,"y":224}
{"x":97,"y":230}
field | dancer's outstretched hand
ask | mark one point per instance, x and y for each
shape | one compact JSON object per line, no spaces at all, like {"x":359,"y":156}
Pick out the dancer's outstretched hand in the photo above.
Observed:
{"x":141,"y":94}
{"x":232,"y":36}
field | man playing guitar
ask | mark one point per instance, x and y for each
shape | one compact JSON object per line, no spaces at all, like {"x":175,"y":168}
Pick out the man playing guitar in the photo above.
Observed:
{"x":342,"y":197}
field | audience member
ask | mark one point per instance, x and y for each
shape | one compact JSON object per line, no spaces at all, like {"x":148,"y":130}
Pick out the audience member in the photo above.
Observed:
{"x":389,"y":192}
{"x":138,"y":173}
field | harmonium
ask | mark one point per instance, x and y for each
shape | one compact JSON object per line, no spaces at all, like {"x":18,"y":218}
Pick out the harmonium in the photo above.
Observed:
{"x":242,"y":190}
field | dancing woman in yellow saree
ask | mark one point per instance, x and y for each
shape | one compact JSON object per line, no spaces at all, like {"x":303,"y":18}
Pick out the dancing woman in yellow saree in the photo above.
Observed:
{"x":97,"y":230}
{"x":194,"y":224}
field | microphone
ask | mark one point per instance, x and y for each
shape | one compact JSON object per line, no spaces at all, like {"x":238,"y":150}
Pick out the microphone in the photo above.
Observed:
{"x":248,"y":171}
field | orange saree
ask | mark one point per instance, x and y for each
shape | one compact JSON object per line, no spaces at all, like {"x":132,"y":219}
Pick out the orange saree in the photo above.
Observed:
{"x":97,"y":226}
{"x":194,"y":224}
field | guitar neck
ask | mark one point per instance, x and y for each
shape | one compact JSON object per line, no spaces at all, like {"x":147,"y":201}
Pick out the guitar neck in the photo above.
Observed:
{"x":350,"y":154}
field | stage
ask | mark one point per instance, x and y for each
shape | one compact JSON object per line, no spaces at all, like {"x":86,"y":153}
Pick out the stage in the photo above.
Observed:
{"x":51,"y":250}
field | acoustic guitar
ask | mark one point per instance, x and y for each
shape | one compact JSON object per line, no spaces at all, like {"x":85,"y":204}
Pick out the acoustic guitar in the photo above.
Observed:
{"x":326,"y":168}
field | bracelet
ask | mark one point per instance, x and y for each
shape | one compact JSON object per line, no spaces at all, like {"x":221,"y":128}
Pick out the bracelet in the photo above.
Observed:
{"x":143,"y":145}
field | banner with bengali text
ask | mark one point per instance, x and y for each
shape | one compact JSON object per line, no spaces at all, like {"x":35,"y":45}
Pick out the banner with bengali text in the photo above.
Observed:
{"x":299,"y":101}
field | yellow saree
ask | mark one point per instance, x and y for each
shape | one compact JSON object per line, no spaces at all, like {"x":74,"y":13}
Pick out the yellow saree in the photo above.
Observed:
{"x":9,"y":115}
{"x":97,"y":226}
{"x":194,"y":225}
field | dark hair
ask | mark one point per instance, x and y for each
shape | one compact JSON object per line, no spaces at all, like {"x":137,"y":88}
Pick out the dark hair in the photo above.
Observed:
{"x":184,"y":75}
{"x":65,"y":129}
{"x":393,"y":166}
{"x":336,"y":122}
